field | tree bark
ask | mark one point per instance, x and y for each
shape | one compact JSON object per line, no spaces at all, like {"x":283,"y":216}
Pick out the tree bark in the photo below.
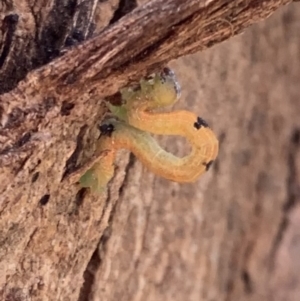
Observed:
{"x":231,"y":236}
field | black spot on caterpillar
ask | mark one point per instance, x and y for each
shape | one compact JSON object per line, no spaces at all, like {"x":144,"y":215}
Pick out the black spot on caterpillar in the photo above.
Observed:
{"x":208,"y":165}
{"x":199,"y":123}
{"x":106,"y":129}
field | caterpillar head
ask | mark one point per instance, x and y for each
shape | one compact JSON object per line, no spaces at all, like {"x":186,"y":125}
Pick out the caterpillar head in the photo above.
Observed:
{"x":163,"y":88}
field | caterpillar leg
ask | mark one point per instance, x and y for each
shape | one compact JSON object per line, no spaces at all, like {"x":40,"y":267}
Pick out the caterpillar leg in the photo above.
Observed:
{"x":101,"y":172}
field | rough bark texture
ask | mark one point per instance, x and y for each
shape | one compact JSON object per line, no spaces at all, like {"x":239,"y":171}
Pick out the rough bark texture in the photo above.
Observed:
{"x":234,"y":235}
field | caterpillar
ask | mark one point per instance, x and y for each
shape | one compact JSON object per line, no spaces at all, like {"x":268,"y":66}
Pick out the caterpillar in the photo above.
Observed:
{"x":138,"y":119}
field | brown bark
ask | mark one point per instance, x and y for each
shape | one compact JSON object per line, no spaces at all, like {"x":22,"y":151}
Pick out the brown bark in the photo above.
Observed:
{"x":231,"y":236}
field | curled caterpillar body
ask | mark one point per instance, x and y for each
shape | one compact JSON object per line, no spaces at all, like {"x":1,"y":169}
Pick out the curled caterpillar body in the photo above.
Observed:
{"x":139,"y":119}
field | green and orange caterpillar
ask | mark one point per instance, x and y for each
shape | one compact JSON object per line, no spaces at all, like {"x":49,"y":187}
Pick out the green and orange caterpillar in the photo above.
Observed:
{"x":137,"y":119}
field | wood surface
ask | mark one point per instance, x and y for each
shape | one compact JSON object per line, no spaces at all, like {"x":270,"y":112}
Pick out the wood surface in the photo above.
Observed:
{"x":233,"y":235}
